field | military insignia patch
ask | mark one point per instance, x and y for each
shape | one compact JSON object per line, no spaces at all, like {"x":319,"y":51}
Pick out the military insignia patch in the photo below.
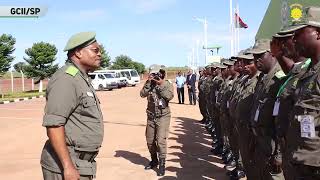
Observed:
{"x":296,"y":12}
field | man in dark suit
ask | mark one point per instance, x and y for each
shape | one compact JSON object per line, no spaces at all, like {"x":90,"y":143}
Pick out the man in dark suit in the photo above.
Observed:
{"x":191,"y":84}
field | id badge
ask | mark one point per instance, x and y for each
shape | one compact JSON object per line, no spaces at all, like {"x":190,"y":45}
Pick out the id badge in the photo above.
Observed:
{"x":256,"y":116}
{"x":276,"y":107}
{"x":307,"y":126}
{"x":228,"y":104}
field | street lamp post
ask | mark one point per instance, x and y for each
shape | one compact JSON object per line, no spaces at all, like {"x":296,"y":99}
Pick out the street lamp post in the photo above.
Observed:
{"x":205,"y":26}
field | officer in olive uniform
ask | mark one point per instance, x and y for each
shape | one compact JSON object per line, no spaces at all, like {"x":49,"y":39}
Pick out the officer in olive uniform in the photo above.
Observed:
{"x":201,"y":96}
{"x":159,"y":92}
{"x":243,"y":98}
{"x":303,"y":139}
{"x":214,"y":99}
{"x":262,"y":121}
{"x":295,"y":66}
{"x":73,"y":117}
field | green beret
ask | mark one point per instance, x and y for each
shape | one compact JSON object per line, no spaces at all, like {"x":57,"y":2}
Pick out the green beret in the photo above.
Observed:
{"x":82,"y":39}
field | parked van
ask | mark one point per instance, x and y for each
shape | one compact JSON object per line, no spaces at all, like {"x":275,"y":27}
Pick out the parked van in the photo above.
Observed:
{"x":132,"y":75}
{"x":121,"y":80}
{"x":101,"y":81}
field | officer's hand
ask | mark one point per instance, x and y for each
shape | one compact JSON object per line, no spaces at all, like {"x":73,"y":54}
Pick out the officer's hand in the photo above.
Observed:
{"x":71,"y":173}
{"x":150,"y":77}
{"x":276,"y":47}
{"x":275,"y":165}
{"x":159,"y":82}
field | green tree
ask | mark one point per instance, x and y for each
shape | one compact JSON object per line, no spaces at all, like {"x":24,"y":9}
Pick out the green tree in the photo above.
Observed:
{"x":19,"y":66}
{"x":6,"y":49}
{"x":126,"y":62}
{"x":123,"y":62}
{"x":40,"y":61}
{"x":139,"y":67}
{"x":105,"y":58}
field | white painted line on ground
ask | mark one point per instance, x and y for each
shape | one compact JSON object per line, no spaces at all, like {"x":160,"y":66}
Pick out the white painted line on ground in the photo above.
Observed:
{"x":33,"y":97}
{"x":16,"y":100}
{"x":25,"y":98}
{"x":14,"y":118}
{"x":6,"y":102}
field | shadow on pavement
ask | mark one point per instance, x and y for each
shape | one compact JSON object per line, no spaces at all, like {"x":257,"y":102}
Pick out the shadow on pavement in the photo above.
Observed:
{"x":132,"y":157}
{"x":194,"y":155}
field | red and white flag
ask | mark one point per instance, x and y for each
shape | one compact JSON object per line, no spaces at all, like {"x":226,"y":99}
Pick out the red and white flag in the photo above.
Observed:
{"x":239,"y":23}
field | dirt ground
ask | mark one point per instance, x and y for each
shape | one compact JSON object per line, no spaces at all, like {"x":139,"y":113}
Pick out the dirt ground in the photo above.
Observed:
{"x":124,"y":152}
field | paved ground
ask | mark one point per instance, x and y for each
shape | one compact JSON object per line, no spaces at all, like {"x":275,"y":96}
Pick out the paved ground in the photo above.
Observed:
{"x":124,"y":152}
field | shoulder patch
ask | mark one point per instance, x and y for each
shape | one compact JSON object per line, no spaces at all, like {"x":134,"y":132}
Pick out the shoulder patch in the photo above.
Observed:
{"x":169,"y":81}
{"x":72,"y":70}
{"x":306,"y":64}
{"x":280,"y":74}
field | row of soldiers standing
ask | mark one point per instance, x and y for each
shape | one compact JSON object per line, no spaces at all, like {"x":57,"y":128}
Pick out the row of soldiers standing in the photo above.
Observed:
{"x":262,"y":106}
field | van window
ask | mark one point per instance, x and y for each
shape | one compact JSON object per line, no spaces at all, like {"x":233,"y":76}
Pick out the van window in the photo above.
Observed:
{"x":101,"y":76}
{"x":92,"y":76}
{"x":109,"y":75}
{"x":134,"y":73}
{"x":126,"y":74}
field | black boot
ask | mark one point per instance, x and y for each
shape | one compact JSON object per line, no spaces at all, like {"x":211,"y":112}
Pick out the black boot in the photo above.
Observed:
{"x":153,"y":163}
{"x":162,"y":167}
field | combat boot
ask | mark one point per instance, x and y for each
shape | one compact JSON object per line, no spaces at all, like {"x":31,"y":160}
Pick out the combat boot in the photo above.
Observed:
{"x":162,"y":167}
{"x":153,"y":163}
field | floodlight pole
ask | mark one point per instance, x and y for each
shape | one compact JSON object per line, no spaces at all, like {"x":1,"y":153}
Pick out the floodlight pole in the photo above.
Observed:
{"x":205,"y":27}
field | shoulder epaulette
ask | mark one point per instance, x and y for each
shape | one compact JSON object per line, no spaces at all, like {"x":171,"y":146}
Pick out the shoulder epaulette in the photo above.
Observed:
{"x":280,"y":74}
{"x":72,"y":70}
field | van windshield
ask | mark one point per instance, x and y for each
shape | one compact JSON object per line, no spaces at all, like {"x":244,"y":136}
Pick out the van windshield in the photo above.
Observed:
{"x":134,"y":73}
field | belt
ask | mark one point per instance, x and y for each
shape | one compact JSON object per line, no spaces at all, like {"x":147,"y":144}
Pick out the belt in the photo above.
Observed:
{"x":88,"y":156}
{"x":305,"y":169}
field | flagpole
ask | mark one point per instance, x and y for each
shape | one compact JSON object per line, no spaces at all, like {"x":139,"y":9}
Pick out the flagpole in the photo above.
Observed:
{"x":238,"y":30}
{"x":231,"y":29}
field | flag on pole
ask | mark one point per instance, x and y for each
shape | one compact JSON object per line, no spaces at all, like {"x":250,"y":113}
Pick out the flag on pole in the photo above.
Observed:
{"x":239,"y":23}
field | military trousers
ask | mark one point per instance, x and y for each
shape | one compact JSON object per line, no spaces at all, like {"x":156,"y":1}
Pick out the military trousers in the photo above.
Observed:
{"x":157,"y":132}
{"x":50,"y":175}
{"x":261,"y":160}
{"x":202,"y":106}
{"x":244,"y":139}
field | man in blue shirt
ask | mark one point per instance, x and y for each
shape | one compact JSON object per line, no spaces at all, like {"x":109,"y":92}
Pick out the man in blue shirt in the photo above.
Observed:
{"x":180,"y":81}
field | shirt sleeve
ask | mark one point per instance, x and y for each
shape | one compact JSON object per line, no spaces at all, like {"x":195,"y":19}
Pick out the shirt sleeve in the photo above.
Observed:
{"x":61,"y":102}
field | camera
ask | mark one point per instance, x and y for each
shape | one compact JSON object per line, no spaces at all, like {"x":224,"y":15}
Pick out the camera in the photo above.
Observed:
{"x":157,"y":76}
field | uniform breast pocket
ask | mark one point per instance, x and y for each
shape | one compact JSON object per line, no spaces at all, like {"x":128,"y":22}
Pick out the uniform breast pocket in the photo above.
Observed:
{"x":90,"y":111}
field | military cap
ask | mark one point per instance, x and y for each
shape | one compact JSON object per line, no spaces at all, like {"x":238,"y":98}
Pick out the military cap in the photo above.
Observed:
{"x":154,"y":69}
{"x":261,"y":46}
{"x":219,"y":65}
{"x":244,"y":54}
{"x":201,"y":69}
{"x":81,"y":39}
{"x":303,"y":17}
{"x":282,"y":35}
{"x":228,"y":62}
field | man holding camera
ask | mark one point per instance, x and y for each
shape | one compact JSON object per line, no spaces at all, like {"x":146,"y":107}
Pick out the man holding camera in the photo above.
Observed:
{"x":158,"y":92}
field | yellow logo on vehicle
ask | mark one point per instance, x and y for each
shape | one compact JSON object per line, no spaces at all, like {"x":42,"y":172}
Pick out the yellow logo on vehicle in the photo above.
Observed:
{"x":296,"y":12}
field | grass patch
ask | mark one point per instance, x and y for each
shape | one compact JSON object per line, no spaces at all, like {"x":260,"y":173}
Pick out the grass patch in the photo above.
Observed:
{"x":13,"y":96}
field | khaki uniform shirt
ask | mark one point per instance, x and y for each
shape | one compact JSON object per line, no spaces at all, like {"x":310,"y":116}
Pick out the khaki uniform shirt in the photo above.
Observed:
{"x":262,"y":119}
{"x":72,"y":102}
{"x":305,"y":149}
{"x":158,"y":98}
